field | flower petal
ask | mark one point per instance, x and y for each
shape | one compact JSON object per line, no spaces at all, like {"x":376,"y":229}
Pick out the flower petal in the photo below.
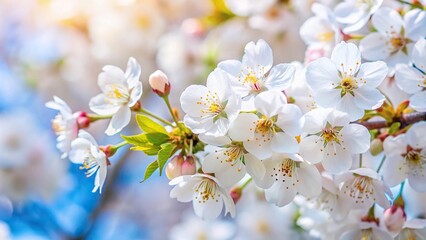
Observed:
{"x":310,"y":182}
{"x":269,"y":103}
{"x":258,"y":54}
{"x":347,"y":104}
{"x":321,"y":74}
{"x":408,"y":79}
{"x":133,"y":72}
{"x":418,"y":101}
{"x":310,"y":149}
{"x":368,"y":98}
{"x":280,"y":77}
{"x":372,"y":73}
{"x":290,"y":120}
{"x":373,"y":47}
{"x":207,"y":209}
{"x":100,"y":105}
{"x":355,"y":138}
{"x":346,"y":57}
{"x":283,"y":143}
{"x":120,"y":119}
{"x":336,"y":159}
{"x":243,"y":127}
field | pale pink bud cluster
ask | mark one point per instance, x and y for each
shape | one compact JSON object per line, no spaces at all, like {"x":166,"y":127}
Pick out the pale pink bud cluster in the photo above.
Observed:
{"x":179,"y":166}
{"x":159,"y":83}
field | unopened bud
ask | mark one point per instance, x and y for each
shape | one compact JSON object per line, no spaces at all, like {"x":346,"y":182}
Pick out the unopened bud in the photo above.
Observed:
{"x":394,"y":218}
{"x":189,"y":166}
{"x":159,"y":83}
{"x":376,"y":147}
{"x":83,"y":121}
{"x":401,"y":107}
{"x":174,"y":167}
{"x":109,"y":150}
{"x":236,"y":193}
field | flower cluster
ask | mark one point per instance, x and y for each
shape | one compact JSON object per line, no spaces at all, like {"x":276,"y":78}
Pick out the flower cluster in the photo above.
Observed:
{"x":250,"y":124}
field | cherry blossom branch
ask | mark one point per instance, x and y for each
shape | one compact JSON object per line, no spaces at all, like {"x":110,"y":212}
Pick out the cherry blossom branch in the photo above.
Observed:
{"x":405,"y":120}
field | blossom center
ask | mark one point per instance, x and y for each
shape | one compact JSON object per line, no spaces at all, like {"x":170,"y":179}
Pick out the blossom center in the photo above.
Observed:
{"x":415,"y":160}
{"x":117,"y":94}
{"x":286,"y":170}
{"x":90,"y":164}
{"x":206,"y":190}
{"x":253,"y":81}
{"x":58,"y":124}
{"x":262,"y":227}
{"x":265,"y":125}
{"x":361,"y":188}
{"x":348,"y":84}
{"x":233,"y":154}
{"x":397,"y":43}
{"x":325,"y":36}
{"x":366,"y":234}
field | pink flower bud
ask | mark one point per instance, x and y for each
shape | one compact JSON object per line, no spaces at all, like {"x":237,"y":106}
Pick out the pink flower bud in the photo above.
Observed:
{"x":159,"y":83}
{"x":236,"y":194}
{"x":83,"y":121}
{"x":394,"y":218}
{"x":189,"y":166}
{"x":174,"y":167}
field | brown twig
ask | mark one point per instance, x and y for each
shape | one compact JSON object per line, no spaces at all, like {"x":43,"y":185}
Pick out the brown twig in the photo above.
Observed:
{"x":405,"y":120}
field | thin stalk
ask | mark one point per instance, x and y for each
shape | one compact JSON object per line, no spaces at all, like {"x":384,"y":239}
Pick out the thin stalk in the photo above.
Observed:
{"x":381,"y":163}
{"x":246,"y":183}
{"x":166,"y":100}
{"x":148,"y":113}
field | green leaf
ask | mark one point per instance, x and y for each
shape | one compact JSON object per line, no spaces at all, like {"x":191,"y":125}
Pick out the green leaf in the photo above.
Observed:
{"x":146,"y":139}
{"x":137,"y":140}
{"x":147,"y":125}
{"x":164,"y":154}
{"x":394,"y":128}
{"x":157,"y":138}
{"x":148,"y":150}
{"x":150,"y":170}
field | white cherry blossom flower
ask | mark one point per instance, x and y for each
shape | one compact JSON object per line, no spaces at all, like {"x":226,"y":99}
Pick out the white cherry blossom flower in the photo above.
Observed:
{"x":64,"y":125}
{"x":210,"y":109}
{"x":412,"y":78}
{"x":321,"y":29}
{"x":287,"y":175}
{"x":273,"y":130}
{"x":230,"y":164}
{"x":120,"y":91}
{"x":406,"y":158}
{"x":354,"y":14}
{"x":85,"y":151}
{"x":394,"y":37}
{"x":362,"y":188}
{"x":255,"y":73}
{"x":345,"y":84}
{"x":207,"y":195}
{"x":192,"y":227}
{"x":332,"y":139}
